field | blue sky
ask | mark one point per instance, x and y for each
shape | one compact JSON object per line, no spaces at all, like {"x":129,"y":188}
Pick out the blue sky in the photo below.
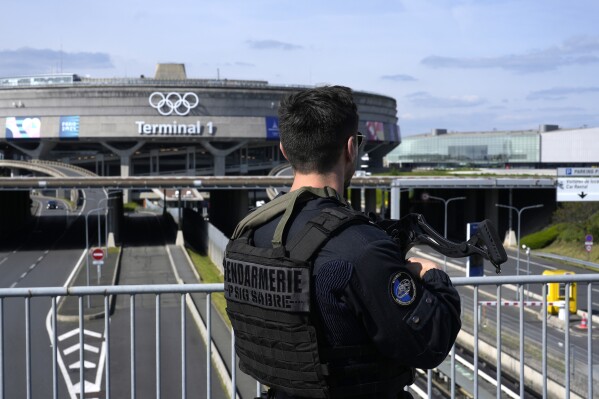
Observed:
{"x":463,"y":65}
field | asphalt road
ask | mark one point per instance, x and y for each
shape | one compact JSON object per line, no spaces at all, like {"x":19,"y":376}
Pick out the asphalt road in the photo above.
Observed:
{"x":510,"y":315}
{"x":45,"y":254}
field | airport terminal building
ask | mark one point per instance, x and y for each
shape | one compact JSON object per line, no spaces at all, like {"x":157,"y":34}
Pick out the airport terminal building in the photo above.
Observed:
{"x":548,"y":147}
{"x":166,"y":124}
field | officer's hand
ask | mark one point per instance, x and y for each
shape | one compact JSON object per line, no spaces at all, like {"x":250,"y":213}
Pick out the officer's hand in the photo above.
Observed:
{"x":419,"y":266}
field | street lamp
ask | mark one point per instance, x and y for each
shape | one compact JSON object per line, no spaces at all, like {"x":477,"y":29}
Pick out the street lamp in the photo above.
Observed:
{"x":519,"y":212}
{"x":446,"y":202}
{"x":527,"y":249}
{"x":87,"y":248}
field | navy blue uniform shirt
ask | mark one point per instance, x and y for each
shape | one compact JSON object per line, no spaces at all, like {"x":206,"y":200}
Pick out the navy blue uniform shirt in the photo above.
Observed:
{"x":354,"y":276}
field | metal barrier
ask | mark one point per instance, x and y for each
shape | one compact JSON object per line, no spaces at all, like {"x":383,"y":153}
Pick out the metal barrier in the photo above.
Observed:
{"x":497,"y":376}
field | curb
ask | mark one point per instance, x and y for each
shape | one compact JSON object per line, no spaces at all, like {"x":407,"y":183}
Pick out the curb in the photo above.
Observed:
{"x":217,"y":359}
{"x":97,"y":315}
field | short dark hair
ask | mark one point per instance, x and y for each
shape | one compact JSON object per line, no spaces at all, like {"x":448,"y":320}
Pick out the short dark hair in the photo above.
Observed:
{"x":314,"y":124}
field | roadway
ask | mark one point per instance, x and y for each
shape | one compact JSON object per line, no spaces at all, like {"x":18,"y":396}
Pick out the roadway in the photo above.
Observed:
{"x":510,"y":316}
{"x":46,"y":254}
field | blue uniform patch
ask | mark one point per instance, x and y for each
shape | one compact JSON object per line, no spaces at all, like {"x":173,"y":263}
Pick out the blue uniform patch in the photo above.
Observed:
{"x":403,"y":288}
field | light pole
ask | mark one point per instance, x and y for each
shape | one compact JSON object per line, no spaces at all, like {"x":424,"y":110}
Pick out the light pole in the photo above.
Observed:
{"x":519,"y":212}
{"x":527,"y":249}
{"x":445,"y":202}
{"x":87,"y":248}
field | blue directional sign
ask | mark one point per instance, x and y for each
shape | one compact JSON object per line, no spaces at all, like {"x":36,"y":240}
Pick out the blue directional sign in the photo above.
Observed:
{"x":475,"y":265}
{"x":272,"y":128}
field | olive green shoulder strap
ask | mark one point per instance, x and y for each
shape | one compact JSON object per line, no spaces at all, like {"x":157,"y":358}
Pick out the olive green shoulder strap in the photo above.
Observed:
{"x":284,"y":204}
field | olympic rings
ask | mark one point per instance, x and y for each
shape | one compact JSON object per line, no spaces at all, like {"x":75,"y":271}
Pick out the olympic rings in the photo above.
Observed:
{"x":173,"y":102}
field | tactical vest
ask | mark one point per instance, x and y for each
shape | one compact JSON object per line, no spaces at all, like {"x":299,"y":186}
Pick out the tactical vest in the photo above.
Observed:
{"x":277,"y":336}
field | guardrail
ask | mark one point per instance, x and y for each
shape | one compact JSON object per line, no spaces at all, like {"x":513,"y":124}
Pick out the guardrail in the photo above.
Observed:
{"x":470,"y":318}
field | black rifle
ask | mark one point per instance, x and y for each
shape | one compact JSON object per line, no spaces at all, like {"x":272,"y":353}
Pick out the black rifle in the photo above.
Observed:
{"x":412,"y":230}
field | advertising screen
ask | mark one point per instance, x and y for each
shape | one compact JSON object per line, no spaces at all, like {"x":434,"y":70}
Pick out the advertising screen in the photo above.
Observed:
{"x":375,"y":131}
{"x":69,"y":127}
{"x":28,"y":127}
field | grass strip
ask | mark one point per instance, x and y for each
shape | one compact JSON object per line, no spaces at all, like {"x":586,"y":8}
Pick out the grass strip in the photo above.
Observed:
{"x":209,"y":273}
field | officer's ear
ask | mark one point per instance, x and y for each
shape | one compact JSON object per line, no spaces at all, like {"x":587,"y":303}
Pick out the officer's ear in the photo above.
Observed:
{"x":351,"y":148}
{"x":283,"y":150}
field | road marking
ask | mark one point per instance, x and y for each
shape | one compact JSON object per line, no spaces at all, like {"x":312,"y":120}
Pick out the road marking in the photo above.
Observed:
{"x":13,"y":285}
{"x":76,"y":331}
{"x":3,"y":260}
{"x":61,"y":365}
{"x":532,"y":263}
{"x":40,"y":258}
{"x":31,"y":267}
{"x":47,"y":251}
{"x":88,"y":365}
{"x":77,"y":346}
{"x":23,"y":275}
{"x":486,"y":377}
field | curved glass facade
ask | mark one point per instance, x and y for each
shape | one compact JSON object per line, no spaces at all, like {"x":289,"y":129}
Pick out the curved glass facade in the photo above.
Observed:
{"x":469,"y":148}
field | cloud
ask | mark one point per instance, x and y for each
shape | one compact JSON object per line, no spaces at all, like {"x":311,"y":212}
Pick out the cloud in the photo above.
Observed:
{"x":423,"y":99}
{"x":272,"y":45}
{"x":244,"y":64}
{"x":581,"y":50}
{"x":560,"y":93}
{"x":28,"y":61}
{"x":399,"y":78}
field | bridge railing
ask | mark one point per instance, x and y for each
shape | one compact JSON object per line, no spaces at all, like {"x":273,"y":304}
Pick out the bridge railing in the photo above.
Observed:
{"x":539,"y":364}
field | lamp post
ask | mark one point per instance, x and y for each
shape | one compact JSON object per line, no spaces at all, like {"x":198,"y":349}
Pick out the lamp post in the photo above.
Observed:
{"x":87,"y":248}
{"x":519,"y":212}
{"x":527,"y":249}
{"x":445,"y":202}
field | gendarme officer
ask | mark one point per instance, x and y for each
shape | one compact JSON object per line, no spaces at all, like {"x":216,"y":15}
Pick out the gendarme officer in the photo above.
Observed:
{"x":322,"y":304}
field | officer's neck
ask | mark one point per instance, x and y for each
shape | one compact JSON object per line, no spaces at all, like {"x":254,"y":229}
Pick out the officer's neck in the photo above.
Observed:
{"x":316,"y":180}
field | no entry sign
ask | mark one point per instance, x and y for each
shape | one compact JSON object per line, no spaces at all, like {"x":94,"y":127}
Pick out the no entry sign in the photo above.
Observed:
{"x":98,"y":254}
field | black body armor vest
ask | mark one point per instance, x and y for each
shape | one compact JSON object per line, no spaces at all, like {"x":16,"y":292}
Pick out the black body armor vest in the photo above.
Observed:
{"x":277,"y":334}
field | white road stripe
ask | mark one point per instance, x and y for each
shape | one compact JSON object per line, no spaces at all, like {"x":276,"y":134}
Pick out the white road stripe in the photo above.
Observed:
{"x":23,"y":275}
{"x":3,"y":260}
{"x":32,"y":267}
{"x":13,"y":285}
{"x":486,"y":377}
{"x":88,"y":365}
{"x":76,"y":331}
{"x":76,"y":347}
{"x":63,"y":369}
{"x":40,"y":258}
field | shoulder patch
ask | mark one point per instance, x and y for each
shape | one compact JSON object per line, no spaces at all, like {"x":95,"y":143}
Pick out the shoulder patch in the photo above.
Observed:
{"x":403,"y":288}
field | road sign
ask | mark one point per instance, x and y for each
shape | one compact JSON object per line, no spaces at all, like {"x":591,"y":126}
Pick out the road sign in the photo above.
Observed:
{"x":577,"y":189}
{"x":589,"y":248}
{"x":98,"y":254}
{"x":588,"y":237}
{"x":578,"y":171}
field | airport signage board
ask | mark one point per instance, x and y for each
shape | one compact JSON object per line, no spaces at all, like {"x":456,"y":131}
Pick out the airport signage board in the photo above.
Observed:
{"x":69,"y":127}
{"x":578,"y":172}
{"x":272,"y":128}
{"x":174,"y":129}
{"x":577,"y":189}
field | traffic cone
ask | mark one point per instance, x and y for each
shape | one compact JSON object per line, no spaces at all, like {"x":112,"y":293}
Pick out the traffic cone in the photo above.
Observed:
{"x":583,"y":322}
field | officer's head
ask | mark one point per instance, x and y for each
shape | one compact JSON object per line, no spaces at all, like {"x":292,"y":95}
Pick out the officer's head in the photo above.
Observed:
{"x":317,"y":127}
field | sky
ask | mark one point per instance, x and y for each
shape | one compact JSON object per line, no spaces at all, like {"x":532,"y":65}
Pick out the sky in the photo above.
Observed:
{"x":461,"y":65}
